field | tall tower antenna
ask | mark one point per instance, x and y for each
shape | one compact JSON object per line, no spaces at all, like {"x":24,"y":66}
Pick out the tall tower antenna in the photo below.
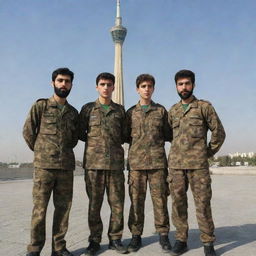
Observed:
{"x":118,"y":33}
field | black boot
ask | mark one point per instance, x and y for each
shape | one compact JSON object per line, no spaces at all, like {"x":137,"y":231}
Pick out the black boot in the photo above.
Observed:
{"x":209,"y":250}
{"x":134,"y":244}
{"x":63,"y":252}
{"x":33,"y":254}
{"x":165,"y":243}
{"x":117,"y":245}
{"x":92,"y":249}
{"x":179,"y":248}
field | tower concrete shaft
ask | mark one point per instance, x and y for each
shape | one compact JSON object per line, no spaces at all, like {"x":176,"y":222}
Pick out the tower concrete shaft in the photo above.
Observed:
{"x":118,"y":33}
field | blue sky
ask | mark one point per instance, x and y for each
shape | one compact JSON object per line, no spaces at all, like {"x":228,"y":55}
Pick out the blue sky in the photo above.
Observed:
{"x":215,"y":39}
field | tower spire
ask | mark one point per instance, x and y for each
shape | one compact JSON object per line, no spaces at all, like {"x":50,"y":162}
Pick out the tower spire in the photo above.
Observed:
{"x":118,"y":9}
{"x":118,"y":33}
{"x":118,"y":14}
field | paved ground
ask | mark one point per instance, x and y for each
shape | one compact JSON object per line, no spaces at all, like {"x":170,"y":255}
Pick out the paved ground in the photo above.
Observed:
{"x":234,"y":210}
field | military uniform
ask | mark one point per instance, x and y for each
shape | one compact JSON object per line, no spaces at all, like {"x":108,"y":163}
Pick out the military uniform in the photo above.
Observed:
{"x":52,"y":134}
{"x":188,"y":164}
{"x":146,"y":132}
{"x":102,"y":131}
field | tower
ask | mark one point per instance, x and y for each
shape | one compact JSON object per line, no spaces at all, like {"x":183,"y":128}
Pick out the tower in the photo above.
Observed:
{"x":118,"y":33}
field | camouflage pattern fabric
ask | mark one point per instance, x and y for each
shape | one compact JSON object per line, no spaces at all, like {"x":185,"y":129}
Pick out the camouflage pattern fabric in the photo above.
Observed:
{"x":146,"y":132}
{"x":102,"y":131}
{"x":189,"y":149}
{"x":60,"y":182}
{"x":137,"y":190}
{"x":200,"y":183}
{"x":52,"y":134}
{"x":96,"y":183}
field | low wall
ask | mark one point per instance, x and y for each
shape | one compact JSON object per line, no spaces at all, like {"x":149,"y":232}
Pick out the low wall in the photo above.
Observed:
{"x":237,"y":170}
{"x":25,"y":173}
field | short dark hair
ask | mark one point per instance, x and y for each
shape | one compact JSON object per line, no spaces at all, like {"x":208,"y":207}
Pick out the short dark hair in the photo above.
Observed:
{"x":145,"y":77}
{"x":184,"y":73}
{"x":105,"y":76}
{"x":62,"y":71}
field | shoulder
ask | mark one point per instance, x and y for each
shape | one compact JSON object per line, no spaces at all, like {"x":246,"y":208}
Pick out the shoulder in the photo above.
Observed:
{"x":40,"y":104}
{"x":88,"y":106}
{"x":160,"y":107}
{"x":204,"y":102}
{"x":130,"y":110}
{"x":118,"y":106}
{"x":174,"y":107}
{"x":73,"y":109}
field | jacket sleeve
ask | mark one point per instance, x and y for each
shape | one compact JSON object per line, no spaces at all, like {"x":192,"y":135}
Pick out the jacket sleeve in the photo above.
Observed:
{"x":127,"y":128}
{"x":169,"y":119}
{"x":218,"y":133}
{"x":123,"y":140}
{"x":83,"y":123}
{"x":32,"y":125}
{"x":166,"y":127}
{"x":75,"y":133}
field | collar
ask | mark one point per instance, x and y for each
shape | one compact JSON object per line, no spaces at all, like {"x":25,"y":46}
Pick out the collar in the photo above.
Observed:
{"x":112,"y":105}
{"x":152,"y":106}
{"x":192,"y":104}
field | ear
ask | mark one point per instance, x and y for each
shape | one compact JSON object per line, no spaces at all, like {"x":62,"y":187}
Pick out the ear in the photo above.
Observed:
{"x":52,"y":83}
{"x":113,"y":88}
{"x":137,"y":89}
{"x":194,"y":85}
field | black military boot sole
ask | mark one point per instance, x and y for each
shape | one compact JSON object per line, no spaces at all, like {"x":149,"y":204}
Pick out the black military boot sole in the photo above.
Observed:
{"x":117,"y":246}
{"x":135,"y":244}
{"x":92,"y":249}
{"x":179,"y":248}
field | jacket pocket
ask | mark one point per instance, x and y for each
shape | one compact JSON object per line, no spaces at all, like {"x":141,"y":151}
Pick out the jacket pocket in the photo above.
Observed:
{"x":197,"y":127}
{"x":175,"y":128}
{"x":94,"y":128}
{"x":48,"y":125}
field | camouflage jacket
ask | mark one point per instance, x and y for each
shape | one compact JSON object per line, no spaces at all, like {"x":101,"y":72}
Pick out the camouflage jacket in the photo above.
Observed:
{"x":102,"y":131}
{"x":52,"y":134}
{"x":146,"y":132}
{"x":189,"y":149}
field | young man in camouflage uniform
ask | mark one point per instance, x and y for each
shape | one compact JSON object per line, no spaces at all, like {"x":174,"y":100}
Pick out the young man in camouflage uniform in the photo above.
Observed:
{"x":190,"y":119}
{"x":147,"y":131}
{"x":51,"y":132}
{"x":101,"y":127}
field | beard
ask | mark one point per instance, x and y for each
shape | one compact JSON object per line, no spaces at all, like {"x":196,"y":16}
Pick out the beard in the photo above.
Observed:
{"x":62,"y":93}
{"x":185,"y":94}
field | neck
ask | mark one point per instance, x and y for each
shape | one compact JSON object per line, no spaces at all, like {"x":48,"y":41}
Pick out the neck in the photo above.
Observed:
{"x":145,"y":102}
{"x":59,"y":100}
{"x":187,"y":101}
{"x":105,"y":101}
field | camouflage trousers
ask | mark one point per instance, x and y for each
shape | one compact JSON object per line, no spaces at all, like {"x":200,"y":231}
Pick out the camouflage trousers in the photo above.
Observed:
{"x":96,"y":183}
{"x":60,"y":182}
{"x":200,"y":183}
{"x":159,"y":192}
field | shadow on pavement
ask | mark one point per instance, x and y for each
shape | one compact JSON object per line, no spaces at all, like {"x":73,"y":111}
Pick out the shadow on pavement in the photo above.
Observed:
{"x":231,"y":236}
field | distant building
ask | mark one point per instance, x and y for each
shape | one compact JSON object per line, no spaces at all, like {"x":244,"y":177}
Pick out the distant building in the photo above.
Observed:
{"x":14,"y":166}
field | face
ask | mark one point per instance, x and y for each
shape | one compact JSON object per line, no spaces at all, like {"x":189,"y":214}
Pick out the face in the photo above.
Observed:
{"x":184,"y":88}
{"x":62,"y":85}
{"x":105,"y":87}
{"x":145,"y":90}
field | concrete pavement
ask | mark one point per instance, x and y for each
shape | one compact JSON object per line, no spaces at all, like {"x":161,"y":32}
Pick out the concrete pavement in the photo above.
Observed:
{"x":233,"y":204}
